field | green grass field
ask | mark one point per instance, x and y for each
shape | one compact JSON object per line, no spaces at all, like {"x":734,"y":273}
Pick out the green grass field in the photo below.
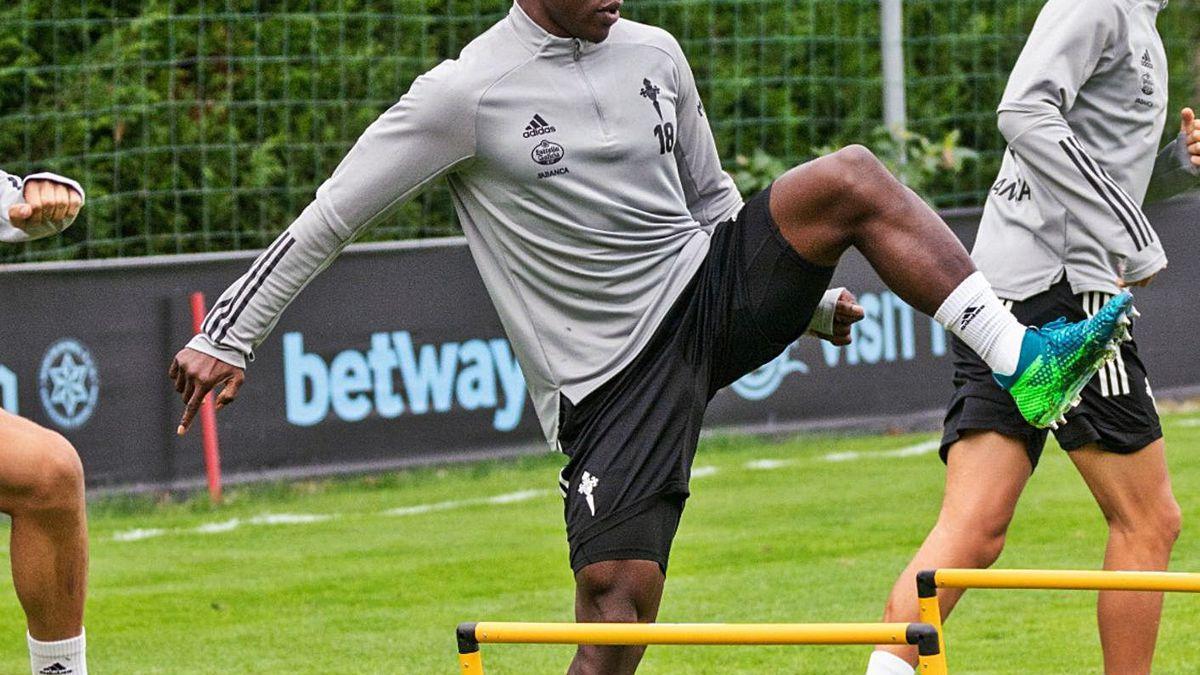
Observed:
{"x":382,"y":569}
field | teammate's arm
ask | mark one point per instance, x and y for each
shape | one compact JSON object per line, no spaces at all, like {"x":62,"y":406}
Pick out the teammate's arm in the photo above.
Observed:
{"x":1063,"y":51}
{"x":429,"y":132}
{"x":1177,"y":168}
{"x":41,"y":205}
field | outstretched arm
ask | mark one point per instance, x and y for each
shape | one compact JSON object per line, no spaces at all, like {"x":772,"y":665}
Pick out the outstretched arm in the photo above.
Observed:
{"x":428,"y":133}
{"x":41,"y":205}
{"x":1067,"y":43}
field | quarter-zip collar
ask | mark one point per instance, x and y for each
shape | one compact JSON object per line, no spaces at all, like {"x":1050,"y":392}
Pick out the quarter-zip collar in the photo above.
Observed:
{"x":539,"y":41}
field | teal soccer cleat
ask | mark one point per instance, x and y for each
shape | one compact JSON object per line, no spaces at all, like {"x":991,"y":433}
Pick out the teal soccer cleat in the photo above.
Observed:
{"x":1058,"y":360}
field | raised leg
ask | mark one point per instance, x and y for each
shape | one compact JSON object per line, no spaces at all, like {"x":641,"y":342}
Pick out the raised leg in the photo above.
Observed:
{"x":1134,"y":493}
{"x":985,"y":475}
{"x":615,"y":591}
{"x":849,"y":199}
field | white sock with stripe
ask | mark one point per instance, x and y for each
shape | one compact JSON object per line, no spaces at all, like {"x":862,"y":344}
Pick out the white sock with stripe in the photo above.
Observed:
{"x":60,"y":657}
{"x":979,"y":318}
{"x":887,"y":663}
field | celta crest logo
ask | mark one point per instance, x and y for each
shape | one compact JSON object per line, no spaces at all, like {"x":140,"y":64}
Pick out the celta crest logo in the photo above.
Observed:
{"x":587,"y":484}
{"x":651,"y":91}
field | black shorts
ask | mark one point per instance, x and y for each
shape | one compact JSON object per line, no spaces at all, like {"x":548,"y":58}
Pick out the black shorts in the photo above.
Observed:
{"x":1118,"y":410}
{"x":631,"y":442}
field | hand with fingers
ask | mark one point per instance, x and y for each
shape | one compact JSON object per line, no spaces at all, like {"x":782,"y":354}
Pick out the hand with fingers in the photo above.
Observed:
{"x":1140,"y":283}
{"x":195,"y":374}
{"x":1190,"y":129}
{"x":46,"y":203}
{"x":846,"y":313}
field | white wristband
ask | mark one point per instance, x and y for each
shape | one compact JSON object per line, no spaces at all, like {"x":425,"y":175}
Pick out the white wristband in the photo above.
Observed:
{"x":822,"y":319}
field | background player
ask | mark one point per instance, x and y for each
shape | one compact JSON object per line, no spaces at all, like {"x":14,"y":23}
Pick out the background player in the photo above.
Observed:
{"x":630,"y":278}
{"x":41,"y":478}
{"x":1083,"y":114}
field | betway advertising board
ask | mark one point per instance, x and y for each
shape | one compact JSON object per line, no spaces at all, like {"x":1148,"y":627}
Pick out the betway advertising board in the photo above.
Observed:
{"x":394,"y":356}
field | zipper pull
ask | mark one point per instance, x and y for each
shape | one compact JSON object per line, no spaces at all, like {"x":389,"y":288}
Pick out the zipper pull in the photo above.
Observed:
{"x":578,"y":49}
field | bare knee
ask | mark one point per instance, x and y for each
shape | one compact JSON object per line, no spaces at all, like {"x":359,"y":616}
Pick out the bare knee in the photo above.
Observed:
{"x":981,"y":538}
{"x":863,"y":179}
{"x":1154,"y":526}
{"x":55,"y":479}
{"x":602,"y":595}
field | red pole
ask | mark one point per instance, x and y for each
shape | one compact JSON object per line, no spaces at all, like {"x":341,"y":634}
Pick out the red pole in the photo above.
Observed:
{"x":208,"y":417}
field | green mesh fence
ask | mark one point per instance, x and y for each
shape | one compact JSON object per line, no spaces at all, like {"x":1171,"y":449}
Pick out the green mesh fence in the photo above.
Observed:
{"x":207,"y":125}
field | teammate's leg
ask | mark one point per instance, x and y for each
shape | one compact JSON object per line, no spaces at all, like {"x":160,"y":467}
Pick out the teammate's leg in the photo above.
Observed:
{"x":615,"y":591}
{"x":985,"y":474}
{"x":41,"y":488}
{"x":1134,"y":493}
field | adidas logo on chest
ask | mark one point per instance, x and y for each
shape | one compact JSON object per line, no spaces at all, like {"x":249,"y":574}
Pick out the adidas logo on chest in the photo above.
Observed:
{"x":538,"y":127}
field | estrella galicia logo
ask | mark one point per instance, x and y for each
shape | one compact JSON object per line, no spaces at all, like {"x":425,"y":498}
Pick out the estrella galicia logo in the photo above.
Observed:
{"x":764,"y":381}
{"x":547,"y":153}
{"x":1147,"y":84}
{"x":651,"y":91}
{"x":69,"y":383}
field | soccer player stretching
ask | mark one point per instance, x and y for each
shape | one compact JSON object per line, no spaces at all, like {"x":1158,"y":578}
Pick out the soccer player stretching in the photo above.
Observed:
{"x":628,"y":274}
{"x":41,"y":479}
{"x":1062,"y":231}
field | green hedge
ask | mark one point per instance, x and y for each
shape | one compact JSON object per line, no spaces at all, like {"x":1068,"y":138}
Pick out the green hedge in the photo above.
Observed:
{"x":207,"y":126}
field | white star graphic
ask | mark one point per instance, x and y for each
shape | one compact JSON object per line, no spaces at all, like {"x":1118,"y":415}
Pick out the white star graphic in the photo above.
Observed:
{"x":69,"y":381}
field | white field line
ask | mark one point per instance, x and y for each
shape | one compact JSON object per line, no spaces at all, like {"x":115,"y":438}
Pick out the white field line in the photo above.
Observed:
{"x":139,"y":534}
{"x":1190,"y":422}
{"x":231,"y":524}
{"x":509,"y":498}
{"x":224,"y":525}
{"x":767,"y":464}
{"x":916,"y":450}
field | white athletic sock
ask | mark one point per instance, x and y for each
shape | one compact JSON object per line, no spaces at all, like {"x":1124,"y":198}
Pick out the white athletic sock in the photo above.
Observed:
{"x":887,"y":663}
{"x":978,"y":318}
{"x":61,"y":657}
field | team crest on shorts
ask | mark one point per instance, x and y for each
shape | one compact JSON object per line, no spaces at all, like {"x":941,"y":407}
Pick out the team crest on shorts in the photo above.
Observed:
{"x":587,"y":484}
{"x":69,"y":383}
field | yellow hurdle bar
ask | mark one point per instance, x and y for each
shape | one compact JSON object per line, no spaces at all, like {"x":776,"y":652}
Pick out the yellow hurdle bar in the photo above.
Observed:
{"x":470,"y":635}
{"x":1069,"y":580}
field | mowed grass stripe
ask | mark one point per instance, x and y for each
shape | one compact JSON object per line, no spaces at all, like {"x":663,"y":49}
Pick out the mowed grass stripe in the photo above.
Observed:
{"x":807,"y":540}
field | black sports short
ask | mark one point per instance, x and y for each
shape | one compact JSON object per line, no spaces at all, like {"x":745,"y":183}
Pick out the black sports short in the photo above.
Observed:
{"x":631,"y":442}
{"x":1118,"y":411}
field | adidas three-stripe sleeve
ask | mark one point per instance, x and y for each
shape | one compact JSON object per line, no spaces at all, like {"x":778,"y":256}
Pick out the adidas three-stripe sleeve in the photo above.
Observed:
{"x":427,"y":133}
{"x":1070,"y":43}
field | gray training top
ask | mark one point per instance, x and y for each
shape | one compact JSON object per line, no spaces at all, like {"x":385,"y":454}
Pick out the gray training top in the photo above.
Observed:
{"x":586,"y":179}
{"x":1083,"y":114}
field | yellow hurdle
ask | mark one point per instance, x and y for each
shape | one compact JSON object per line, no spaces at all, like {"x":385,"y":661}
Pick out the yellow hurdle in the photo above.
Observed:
{"x":1071,"y":580}
{"x":471,"y":635}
